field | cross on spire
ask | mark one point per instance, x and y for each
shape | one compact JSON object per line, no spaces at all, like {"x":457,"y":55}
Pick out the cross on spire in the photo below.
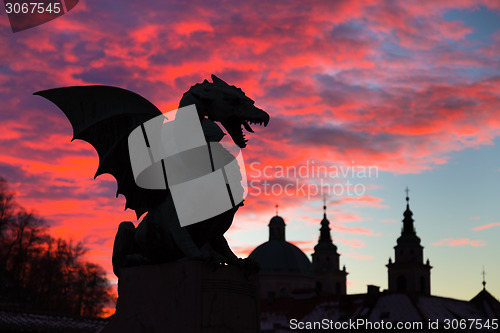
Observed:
{"x":484,"y":279}
{"x":407,"y":190}
{"x":325,"y":236}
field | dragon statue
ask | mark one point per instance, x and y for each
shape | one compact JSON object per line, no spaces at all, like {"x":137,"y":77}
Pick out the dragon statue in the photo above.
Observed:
{"x":104,"y":116}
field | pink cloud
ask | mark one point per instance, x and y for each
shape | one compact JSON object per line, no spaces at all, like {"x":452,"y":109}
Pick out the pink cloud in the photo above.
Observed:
{"x":365,"y":201}
{"x":486,"y":226}
{"x":354,"y":230}
{"x":350,"y":242}
{"x":459,"y":242}
{"x":305,"y":246}
{"x":346,"y":217}
{"x":242,"y":251}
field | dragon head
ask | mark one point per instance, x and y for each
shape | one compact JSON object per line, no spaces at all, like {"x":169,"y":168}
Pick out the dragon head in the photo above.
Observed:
{"x":227,"y":105}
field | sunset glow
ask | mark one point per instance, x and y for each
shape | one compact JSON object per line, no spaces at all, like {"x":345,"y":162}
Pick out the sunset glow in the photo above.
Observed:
{"x":410,"y":89}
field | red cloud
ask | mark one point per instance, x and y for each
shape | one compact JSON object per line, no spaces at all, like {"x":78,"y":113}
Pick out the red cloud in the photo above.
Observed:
{"x":385,"y":84}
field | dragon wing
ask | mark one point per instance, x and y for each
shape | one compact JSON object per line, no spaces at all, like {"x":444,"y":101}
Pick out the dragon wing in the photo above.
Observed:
{"x":104,"y":116}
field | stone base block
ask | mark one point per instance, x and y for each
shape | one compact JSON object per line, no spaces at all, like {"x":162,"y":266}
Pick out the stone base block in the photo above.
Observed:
{"x":185,"y":296}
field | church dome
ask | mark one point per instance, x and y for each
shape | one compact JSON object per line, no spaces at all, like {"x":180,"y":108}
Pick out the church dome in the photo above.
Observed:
{"x":278,"y":255}
{"x":281,"y":256}
{"x":277,"y":221}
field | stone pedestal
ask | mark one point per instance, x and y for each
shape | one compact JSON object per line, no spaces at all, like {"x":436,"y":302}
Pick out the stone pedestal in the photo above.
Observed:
{"x":185,"y":297}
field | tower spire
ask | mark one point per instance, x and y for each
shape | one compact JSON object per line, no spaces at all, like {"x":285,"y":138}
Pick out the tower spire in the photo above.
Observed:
{"x":326,"y":261}
{"x":408,"y":228}
{"x":276,"y":209}
{"x":325,"y":238}
{"x":324,"y":207}
{"x":484,"y":279}
{"x":408,"y":273}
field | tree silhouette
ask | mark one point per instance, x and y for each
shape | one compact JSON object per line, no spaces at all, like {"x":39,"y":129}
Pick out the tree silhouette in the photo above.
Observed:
{"x":6,"y":207}
{"x":41,"y":273}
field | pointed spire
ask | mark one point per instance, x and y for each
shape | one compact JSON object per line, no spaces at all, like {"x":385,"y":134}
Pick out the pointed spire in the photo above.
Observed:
{"x":276,"y":209}
{"x":324,"y":208}
{"x":325,"y":224}
{"x":407,"y":190}
{"x":408,"y":228}
{"x":325,"y":238}
{"x":408,"y":233}
{"x":484,"y":279}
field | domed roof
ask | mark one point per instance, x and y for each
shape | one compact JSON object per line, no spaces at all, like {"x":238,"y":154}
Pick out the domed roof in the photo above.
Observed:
{"x":281,"y":256}
{"x":276,"y":220}
{"x":277,"y":255}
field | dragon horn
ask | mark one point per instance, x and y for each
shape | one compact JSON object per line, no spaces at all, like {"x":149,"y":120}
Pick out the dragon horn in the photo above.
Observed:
{"x":216,"y":80}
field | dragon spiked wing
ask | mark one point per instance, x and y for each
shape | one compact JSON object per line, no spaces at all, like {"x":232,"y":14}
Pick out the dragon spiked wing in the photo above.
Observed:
{"x":104,"y":116}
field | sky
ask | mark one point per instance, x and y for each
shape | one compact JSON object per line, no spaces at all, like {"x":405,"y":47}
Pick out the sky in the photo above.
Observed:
{"x":365,"y":98}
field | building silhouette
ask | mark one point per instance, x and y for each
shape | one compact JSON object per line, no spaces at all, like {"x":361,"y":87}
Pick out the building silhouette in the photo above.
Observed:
{"x":285,"y":271}
{"x":293,"y":289}
{"x":408,"y":273}
{"x":330,"y":280}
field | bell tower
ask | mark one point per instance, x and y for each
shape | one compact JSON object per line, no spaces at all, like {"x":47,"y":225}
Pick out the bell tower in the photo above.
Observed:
{"x":408,"y":273}
{"x":330,"y":279}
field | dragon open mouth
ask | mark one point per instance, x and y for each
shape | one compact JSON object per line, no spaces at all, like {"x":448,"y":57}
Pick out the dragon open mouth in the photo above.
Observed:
{"x":235,"y":125}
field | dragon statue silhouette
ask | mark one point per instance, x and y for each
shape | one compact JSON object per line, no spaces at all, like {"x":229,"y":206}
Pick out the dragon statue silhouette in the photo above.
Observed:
{"x":104,"y":116}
